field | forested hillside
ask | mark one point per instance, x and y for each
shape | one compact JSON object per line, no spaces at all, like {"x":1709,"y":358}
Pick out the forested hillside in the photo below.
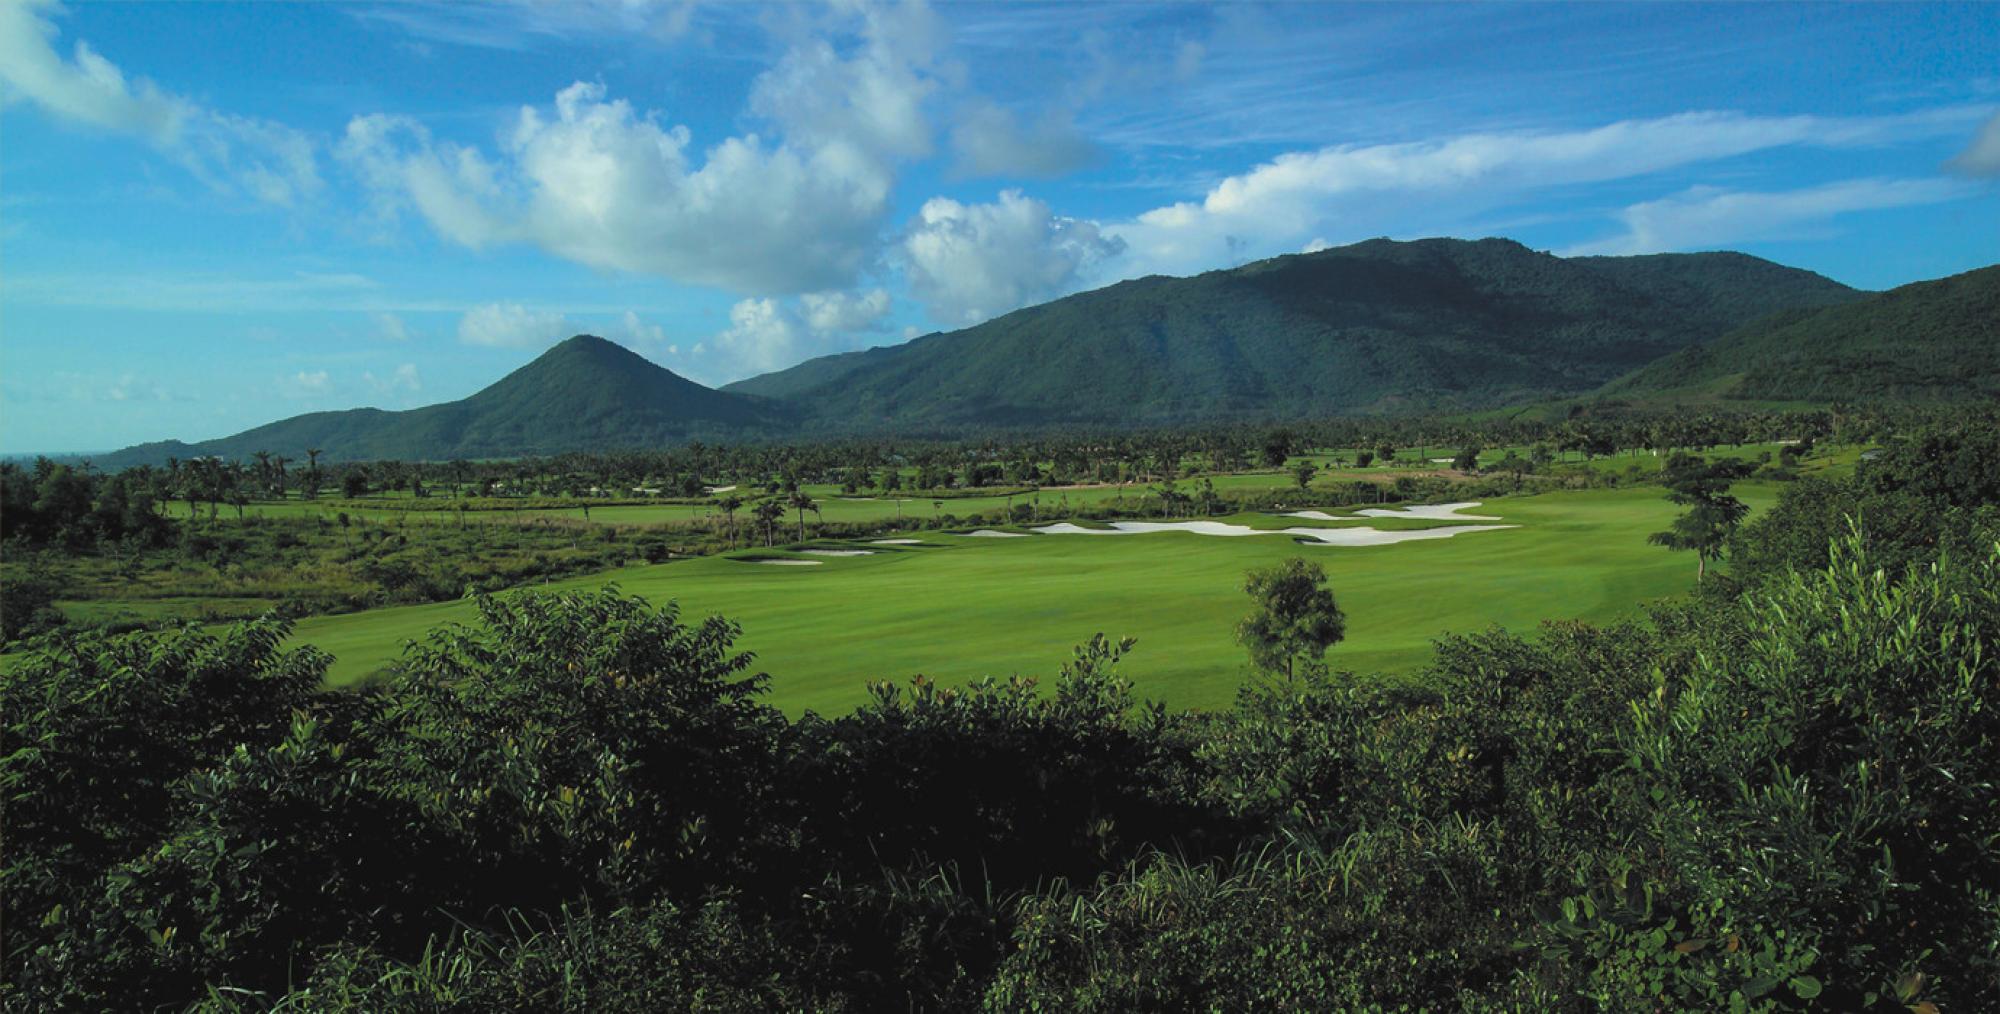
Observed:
{"x":586,"y":393}
{"x":1935,"y":341}
{"x":1376,"y":327}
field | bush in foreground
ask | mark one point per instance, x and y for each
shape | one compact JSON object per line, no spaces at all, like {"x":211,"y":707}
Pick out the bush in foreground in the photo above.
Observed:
{"x":580,"y":803}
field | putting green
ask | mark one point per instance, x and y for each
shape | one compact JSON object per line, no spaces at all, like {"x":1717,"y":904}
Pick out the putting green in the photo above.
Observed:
{"x":956,"y":608}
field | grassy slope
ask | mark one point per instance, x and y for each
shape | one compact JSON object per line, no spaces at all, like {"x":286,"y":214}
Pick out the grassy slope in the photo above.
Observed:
{"x":959,"y":608}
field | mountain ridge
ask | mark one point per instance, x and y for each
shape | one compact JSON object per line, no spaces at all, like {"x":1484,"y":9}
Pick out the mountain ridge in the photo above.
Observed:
{"x":1377,"y":327}
{"x":1929,"y":341}
{"x":583,"y":393}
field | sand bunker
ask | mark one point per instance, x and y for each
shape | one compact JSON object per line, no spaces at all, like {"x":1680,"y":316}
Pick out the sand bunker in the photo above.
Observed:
{"x":839,"y":552}
{"x":896,"y":542}
{"x":987,"y":533}
{"x":719,"y":489}
{"x":1314,"y":516}
{"x":1322,"y":536}
{"x":1431,"y":512}
{"x":787,"y":563}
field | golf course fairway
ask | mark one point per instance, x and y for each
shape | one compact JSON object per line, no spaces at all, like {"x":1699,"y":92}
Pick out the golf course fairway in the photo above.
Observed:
{"x":956,"y":608}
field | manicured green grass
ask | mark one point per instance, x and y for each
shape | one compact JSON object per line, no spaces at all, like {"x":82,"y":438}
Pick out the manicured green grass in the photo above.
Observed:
{"x":956,"y":608}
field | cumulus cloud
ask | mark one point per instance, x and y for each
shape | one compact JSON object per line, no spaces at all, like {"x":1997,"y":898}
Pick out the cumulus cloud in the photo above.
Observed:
{"x":235,"y":154}
{"x":969,"y":262}
{"x":594,"y":180}
{"x":770,"y":334}
{"x":511,"y":325}
{"x":310,"y":382}
{"x":1285,"y":201}
{"x":630,"y":330}
{"x":990,"y":141}
{"x":1706,"y":217}
{"x":866,"y":106}
{"x":1982,"y":156}
{"x":831,"y":313}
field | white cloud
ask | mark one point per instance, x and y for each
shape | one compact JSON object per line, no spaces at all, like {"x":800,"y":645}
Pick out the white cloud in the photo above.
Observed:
{"x":762,"y":336}
{"x":844,"y":312}
{"x":630,"y":330}
{"x":511,"y":325}
{"x":1982,"y":156}
{"x":1317,"y":244}
{"x":311,"y":382}
{"x":969,"y":262}
{"x":596,"y":181}
{"x":1285,"y":201}
{"x":1707,"y":217}
{"x":867,"y":106}
{"x":991,"y":141}
{"x":770,"y":334}
{"x":599,"y":184}
{"x":268,"y":161}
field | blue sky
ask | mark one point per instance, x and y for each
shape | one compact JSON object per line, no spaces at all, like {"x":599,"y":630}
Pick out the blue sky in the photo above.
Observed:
{"x":216,"y":216}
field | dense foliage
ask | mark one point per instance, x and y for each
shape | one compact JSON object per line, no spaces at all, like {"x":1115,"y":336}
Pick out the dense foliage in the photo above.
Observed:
{"x":1786,"y":794}
{"x":1376,"y":327}
{"x":1934,"y":341}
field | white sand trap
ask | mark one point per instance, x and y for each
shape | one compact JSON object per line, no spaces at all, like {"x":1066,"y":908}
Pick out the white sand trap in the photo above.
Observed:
{"x":1314,"y":516}
{"x":988,"y":533}
{"x":1430,"y":512}
{"x":788,"y":563}
{"x":896,"y":542}
{"x":839,"y":552}
{"x":1324,"y":536}
{"x":719,"y":489}
{"x":1375,"y":537}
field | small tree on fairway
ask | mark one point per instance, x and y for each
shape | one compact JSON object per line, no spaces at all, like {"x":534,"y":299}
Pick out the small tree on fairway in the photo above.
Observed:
{"x":1295,"y":615}
{"x":1303,"y":472}
{"x":1702,"y":487}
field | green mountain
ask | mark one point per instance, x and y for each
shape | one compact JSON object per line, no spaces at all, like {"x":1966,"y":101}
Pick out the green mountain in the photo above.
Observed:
{"x":1925,"y":342}
{"x":1376,"y":327}
{"x":584,"y":394}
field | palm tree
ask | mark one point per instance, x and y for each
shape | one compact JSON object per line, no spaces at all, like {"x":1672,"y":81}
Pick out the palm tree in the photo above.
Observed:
{"x":767,"y":514}
{"x":729,"y":505}
{"x":312,"y":473}
{"x":803,"y":503}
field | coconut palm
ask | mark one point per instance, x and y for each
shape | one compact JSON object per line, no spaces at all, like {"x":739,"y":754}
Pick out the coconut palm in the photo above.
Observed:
{"x":730,"y":504}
